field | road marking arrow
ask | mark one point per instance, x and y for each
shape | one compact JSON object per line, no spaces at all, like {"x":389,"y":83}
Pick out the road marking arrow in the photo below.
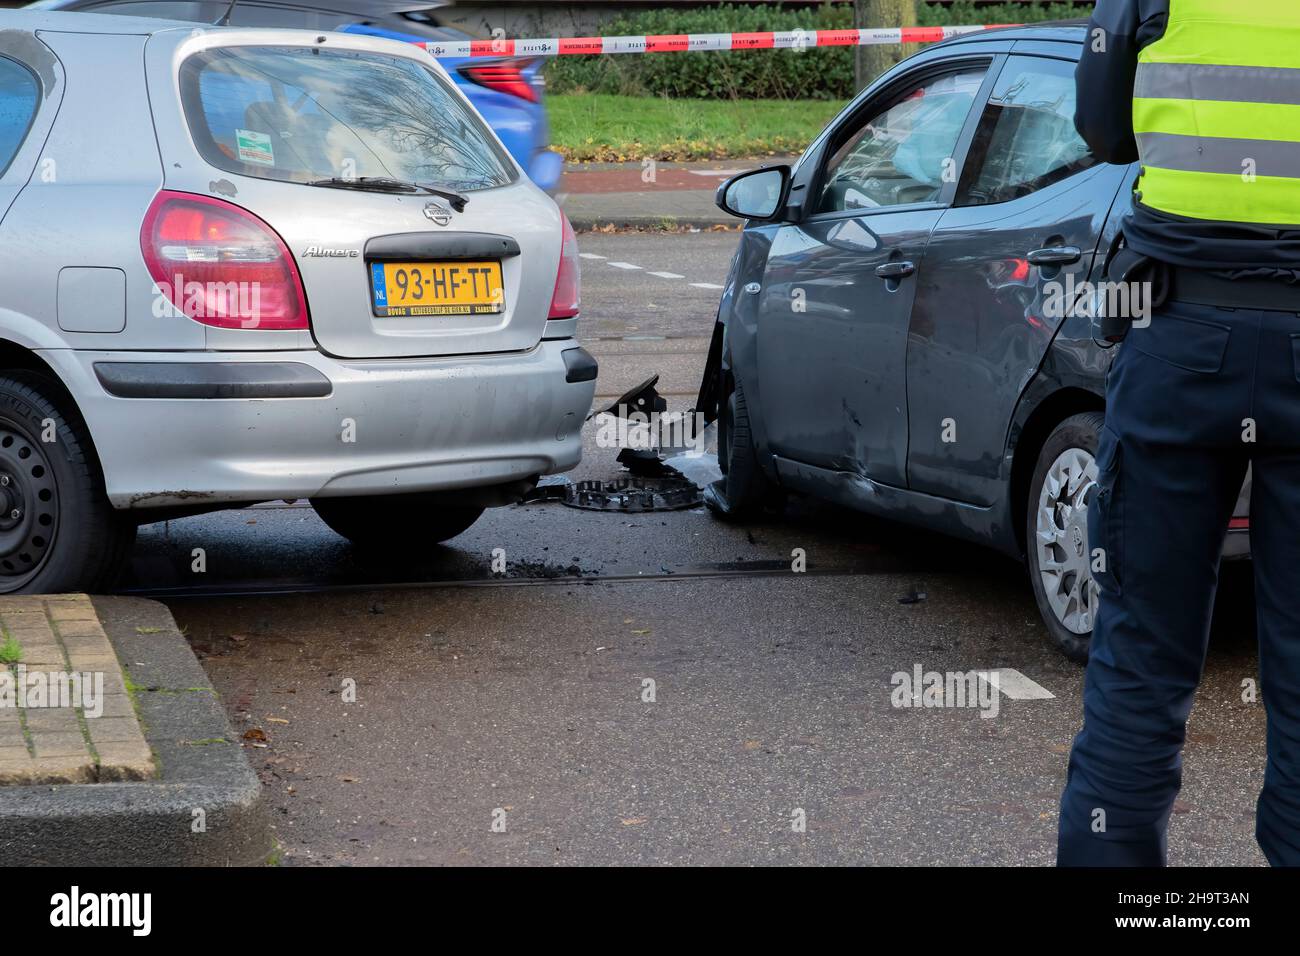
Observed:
{"x":1016,"y":685}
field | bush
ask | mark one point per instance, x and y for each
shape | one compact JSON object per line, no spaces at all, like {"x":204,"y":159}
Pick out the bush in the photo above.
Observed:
{"x":961,"y":12}
{"x":824,"y":73}
{"x":757,"y":74}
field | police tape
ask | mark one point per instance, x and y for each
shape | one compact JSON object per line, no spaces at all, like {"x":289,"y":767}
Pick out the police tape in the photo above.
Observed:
{"x":695,"y":42}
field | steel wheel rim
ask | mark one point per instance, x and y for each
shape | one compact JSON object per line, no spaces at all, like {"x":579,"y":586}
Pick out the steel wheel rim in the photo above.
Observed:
{"x":1064,"y":556}
{"x":29,"y":507}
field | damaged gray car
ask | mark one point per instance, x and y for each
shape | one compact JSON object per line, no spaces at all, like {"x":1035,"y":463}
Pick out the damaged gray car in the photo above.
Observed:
{"x":907,"y":327}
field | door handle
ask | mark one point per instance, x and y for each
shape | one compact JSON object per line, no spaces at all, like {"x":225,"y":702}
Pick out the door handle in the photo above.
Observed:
{"x":1055,"y":256}
{"x":895,"y":270}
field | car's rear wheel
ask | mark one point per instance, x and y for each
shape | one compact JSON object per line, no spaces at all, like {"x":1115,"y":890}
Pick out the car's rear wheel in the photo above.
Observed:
{"x":1056,"y":532}
{"x":58,"y":531}
{"x":743,"y":489}
{"x":400,"y":524}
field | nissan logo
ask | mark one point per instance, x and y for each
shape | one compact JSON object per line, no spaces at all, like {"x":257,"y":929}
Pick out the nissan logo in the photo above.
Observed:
{"x":439,"y":213}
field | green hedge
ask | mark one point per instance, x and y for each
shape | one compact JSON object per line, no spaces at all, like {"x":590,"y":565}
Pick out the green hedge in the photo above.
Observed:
{"x":964,"y":11}
{"x":825,"y":73}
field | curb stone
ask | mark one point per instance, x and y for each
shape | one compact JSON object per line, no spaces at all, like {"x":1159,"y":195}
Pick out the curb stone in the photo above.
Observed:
{"x":49,"y":743}
{"x":653,"y":223}
{"x":153,"y":822}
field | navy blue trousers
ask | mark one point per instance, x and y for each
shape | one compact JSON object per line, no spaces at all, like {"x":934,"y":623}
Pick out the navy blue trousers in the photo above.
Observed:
{"x":1192,"y":400}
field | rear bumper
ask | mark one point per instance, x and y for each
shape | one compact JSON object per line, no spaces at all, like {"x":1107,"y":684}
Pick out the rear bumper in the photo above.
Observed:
{"x":362,"y":428}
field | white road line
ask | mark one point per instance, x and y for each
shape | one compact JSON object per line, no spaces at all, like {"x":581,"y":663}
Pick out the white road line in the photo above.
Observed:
{"x":661,"y":275}
{"x":1016,"y":685}
{"x":714,"y":172}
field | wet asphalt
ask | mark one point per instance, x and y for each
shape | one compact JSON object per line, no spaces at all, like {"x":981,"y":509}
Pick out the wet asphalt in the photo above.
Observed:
{"x":659,"y":687}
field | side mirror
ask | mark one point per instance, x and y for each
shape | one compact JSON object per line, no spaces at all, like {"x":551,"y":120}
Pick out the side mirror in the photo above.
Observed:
{"x":756,"y":194}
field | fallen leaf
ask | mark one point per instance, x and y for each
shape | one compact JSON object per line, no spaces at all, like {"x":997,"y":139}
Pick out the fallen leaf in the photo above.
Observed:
{"x":255,"y":733}
{"x":633,"y":821}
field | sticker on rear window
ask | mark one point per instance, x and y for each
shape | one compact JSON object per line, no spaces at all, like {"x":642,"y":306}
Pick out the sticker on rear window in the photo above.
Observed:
{"x":254,"y":147}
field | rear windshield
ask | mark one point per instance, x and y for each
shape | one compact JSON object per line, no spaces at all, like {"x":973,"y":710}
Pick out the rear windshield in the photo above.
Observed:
{"x":304,"y":113}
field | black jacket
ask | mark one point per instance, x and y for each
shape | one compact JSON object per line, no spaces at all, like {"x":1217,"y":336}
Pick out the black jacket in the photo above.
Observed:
{"x":1117,"y":32}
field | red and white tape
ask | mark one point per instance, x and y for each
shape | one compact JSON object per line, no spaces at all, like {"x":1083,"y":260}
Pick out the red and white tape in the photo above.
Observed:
{"x":693,"y":42}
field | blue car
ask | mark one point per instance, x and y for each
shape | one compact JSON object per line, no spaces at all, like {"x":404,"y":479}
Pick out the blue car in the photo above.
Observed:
{"x":507,"y":91}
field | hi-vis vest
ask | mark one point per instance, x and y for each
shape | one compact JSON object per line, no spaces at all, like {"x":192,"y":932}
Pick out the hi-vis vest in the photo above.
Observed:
{"x":1216,"y":111}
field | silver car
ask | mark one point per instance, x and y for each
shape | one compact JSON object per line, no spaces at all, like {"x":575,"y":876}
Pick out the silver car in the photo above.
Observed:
{"x":246,"y":265}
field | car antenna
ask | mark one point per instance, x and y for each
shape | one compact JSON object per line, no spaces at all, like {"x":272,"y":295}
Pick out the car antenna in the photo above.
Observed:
{"x":225,"y":19}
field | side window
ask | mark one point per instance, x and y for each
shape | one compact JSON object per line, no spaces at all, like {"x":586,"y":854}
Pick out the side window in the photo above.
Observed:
{"x":1026,"y":137}
{"x":19,"y":96}
{"x":905,"y":153}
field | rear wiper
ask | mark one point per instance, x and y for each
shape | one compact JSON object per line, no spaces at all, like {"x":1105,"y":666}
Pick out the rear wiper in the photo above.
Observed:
{"x":384,"y":184}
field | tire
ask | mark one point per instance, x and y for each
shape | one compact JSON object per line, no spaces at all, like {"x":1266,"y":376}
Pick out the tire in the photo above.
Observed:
{"x":1056,"y":527}
{"x":396,"y":524}
{"x":743,"y":489}
{"x":58,"y":532}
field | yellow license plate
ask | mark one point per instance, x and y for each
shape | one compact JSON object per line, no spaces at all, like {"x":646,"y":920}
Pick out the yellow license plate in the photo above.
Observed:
{"x":436,"y":288}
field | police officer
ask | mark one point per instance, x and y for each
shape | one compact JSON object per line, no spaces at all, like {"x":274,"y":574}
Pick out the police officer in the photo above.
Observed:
{"x":1206,"y":94}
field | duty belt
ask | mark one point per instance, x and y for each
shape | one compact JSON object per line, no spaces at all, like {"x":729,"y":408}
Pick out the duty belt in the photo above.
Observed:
{"x":1193,"y":286}
{"x":1198,"y":287}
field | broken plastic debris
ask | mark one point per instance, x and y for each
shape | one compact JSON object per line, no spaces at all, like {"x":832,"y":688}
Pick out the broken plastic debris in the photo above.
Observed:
{"x":671,"y":492}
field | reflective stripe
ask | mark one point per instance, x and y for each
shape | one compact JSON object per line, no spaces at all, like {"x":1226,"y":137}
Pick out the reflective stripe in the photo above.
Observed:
{"x":1225,"y":84}
{"x":1275,"y":121}
{"x":1257,"y":13}
{"x":1204,"y":154}
{"x":1226,"y":42}
{"x":1223,"y":198}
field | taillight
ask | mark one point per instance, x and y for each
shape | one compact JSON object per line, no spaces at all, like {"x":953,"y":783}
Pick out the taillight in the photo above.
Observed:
{"x":504,"y":77}
{"x":566,"y":299}
{"x":220,"y":264}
